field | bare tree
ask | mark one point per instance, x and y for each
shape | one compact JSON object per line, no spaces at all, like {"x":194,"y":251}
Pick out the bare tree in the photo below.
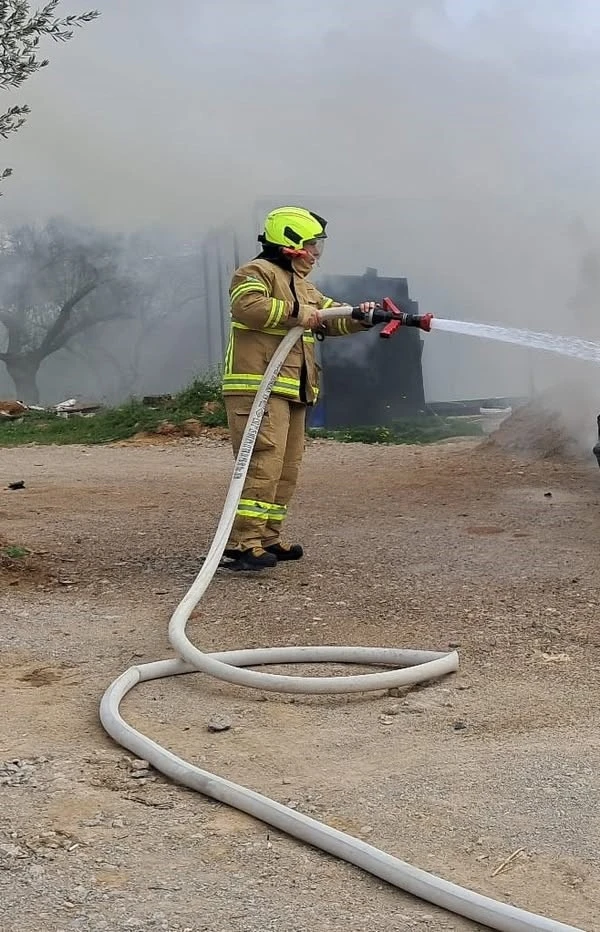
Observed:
{"x":170,"y":286}
{"x":20,"y":34}
{"x":55,"y":283}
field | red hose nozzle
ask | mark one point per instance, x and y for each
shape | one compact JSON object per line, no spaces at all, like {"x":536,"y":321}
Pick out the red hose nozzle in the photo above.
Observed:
{"x":402,"y":319}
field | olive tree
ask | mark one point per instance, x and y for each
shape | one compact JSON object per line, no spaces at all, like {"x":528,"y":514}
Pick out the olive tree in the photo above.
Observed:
{"x":57,"y":282}
{"x":21,"y":30}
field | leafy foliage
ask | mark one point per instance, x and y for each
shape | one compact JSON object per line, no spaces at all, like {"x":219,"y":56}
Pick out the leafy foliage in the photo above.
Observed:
{"x":203,"y":401}
{"x":14,"y":552}
{"x":424,"y":429}
{"x":202,"y":390}
{"x":20,"y":34}
{"x":118,"y":423}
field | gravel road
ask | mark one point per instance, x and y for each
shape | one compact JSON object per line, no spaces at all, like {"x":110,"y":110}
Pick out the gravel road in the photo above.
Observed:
{"x":456,"y":544}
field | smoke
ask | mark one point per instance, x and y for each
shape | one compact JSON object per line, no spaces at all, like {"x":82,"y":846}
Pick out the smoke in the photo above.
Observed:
{"x":449,"y":142}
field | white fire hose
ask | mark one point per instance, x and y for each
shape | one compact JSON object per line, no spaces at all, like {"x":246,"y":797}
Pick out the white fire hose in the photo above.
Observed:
{"x":409,"y":667}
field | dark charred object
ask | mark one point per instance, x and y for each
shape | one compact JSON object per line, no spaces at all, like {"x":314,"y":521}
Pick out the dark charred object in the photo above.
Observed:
{"x":369,"y":381}
{"x":596,"y":448}
{"x":13,"y":486}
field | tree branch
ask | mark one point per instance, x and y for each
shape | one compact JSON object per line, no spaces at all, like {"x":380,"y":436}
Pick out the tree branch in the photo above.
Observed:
{"x":20,"y":34}
{"x":54,"y":337}
{"x":85,"y":324}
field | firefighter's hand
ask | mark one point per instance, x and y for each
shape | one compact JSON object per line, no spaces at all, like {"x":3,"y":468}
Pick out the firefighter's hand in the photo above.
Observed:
{"x":309,"y":317}
{"x":367,"y":307}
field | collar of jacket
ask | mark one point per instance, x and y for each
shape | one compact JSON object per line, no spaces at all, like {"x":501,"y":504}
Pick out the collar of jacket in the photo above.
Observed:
{"x":274,"y":256}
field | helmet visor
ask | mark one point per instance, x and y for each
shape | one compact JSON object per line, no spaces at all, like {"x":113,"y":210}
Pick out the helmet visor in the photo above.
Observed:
{"x":315,"y":247}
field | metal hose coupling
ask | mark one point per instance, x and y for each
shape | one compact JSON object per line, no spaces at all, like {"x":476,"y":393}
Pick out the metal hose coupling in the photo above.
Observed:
{"x":422,"y":321}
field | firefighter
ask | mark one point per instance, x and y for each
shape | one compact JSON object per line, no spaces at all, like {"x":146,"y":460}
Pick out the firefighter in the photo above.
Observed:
{"x":268,"y":296}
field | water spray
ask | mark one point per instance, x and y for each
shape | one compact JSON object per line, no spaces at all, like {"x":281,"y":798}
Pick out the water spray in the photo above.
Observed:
{"x":548,"y":342}
{"x":393,"y":317}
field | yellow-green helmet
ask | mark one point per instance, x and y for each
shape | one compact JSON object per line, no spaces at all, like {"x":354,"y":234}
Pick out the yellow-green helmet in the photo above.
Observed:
{"x":292,"y":227}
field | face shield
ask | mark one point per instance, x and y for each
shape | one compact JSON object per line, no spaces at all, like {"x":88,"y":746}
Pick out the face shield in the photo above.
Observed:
{"x":315,"y":247}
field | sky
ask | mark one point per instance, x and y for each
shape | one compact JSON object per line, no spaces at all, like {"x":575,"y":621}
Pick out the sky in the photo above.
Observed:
{"x":452,"y":142}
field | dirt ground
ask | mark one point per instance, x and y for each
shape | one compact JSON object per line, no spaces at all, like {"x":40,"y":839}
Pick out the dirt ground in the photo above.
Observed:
{"x":457,"y":544}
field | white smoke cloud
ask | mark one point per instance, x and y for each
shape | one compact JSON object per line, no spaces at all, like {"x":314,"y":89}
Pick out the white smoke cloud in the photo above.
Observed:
{"x":453,"y":143}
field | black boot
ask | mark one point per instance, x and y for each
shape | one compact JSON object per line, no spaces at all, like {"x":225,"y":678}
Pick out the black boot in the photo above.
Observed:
{"x":285,"y":552}
{"x":255,"y":559}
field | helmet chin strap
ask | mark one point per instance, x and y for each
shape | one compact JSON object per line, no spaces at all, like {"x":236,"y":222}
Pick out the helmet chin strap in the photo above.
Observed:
{"x":299,"y":254}
{"x":295,"y":253}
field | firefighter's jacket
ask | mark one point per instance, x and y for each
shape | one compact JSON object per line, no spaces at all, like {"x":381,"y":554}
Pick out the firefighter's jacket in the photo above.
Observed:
{"x":266,"y":302}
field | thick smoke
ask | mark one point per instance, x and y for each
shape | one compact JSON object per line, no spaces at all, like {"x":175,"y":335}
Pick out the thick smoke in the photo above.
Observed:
{"x":451,"y":143}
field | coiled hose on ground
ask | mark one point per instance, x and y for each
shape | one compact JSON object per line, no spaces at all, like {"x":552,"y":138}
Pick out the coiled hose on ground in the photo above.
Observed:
{"x":408,"y":667}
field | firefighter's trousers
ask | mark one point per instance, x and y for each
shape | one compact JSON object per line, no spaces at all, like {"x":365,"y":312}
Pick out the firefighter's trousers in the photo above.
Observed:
{"x":273,"y":471}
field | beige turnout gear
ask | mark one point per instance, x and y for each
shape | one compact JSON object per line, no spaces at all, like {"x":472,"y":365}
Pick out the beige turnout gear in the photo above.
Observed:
{"x":273,"y":470}
{"x":267,"y":300}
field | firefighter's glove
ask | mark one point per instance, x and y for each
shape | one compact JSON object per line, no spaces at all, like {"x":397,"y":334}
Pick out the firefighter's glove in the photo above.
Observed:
{"x":367,"y":307}
{"x":309,"y":317}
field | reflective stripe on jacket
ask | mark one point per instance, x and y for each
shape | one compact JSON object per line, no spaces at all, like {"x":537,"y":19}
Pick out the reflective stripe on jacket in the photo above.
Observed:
{"x":265,"y":300}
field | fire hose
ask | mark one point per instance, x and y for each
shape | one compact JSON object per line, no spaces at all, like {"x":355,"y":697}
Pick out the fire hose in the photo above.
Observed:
{"x":408,"y":667}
